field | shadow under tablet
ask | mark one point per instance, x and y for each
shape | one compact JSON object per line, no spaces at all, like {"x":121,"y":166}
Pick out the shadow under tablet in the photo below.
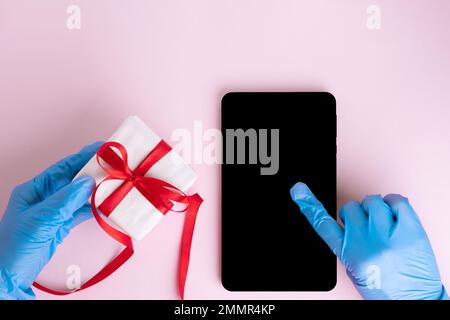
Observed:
{"x":267,"y":244}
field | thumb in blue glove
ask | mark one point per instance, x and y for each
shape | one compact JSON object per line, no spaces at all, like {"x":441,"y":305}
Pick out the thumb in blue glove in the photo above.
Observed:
{"x":39,"y":215}
{"x":382,"y":245}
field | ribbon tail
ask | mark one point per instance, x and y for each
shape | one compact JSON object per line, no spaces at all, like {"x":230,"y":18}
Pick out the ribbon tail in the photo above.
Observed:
{"x":101,"y":275}
{"x":186,"y":241}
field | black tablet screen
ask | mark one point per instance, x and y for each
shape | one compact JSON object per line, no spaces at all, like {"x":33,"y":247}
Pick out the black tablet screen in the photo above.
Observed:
{"x":271,"y":141}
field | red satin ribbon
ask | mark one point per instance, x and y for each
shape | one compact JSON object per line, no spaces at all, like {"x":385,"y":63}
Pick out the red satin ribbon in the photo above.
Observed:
{"x":161,"y":195}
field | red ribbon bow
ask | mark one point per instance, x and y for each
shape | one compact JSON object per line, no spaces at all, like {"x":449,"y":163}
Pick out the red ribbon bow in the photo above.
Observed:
{"x":160,"y":194}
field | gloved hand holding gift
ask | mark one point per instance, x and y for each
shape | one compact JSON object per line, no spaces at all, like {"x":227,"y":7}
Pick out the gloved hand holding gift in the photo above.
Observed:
{"x":138,"y":179}
{"x":40,"y":214}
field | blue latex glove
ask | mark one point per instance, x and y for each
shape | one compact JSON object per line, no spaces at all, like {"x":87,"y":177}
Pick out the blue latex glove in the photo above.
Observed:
{"x":382,"y":245}
{"x":40,"y":213}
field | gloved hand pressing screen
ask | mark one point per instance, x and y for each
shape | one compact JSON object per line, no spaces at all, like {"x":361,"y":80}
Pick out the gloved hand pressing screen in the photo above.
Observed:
{"x":40,"y":213}
{"x":382,"y":245}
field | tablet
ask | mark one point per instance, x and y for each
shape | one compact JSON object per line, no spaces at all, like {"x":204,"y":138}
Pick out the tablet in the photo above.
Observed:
{"x":271,"y":141}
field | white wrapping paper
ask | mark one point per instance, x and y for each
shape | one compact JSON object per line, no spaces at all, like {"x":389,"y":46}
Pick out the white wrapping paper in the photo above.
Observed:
{"x":135,"y":215}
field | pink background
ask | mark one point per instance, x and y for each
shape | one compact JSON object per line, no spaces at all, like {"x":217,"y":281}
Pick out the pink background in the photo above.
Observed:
{"x":170,"y":62}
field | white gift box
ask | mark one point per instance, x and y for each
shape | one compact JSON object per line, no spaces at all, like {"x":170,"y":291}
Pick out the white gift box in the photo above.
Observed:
{"x":135,"y":215}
